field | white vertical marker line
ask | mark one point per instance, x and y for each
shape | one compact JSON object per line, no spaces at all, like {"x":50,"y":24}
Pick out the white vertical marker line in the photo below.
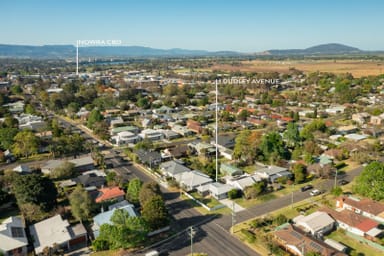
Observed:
{"x":216,"y":132}
{"x":77,"y":57}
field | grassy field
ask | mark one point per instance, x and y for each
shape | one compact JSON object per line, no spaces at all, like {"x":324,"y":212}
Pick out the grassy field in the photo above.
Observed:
{"x":357,"y":68}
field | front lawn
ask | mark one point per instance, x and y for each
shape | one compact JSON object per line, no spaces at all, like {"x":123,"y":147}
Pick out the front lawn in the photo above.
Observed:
{"x":355,"y":245}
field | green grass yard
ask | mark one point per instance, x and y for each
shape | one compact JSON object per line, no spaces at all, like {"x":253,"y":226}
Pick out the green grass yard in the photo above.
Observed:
{"x":355,"y":245}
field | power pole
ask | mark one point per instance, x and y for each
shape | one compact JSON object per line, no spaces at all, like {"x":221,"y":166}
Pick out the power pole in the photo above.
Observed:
{"x":191,"y":235}
{"x":335,"y":179}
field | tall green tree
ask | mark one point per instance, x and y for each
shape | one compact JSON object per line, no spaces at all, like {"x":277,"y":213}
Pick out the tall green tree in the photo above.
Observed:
{"x":6,"y":137}
{"x":272,"y":146}
{"x":155,"y":213}
{"x":64,"y":171}
{"x":255,"y":190}
{"x":94,"y":117}
{"x":242,"y":145}
{"x":133,"y":190}
{"x":145,"y":144}
{"x":35,"y":189}
{"x":10,"y":122}
{"x":81,"y":204}
{"x":124,"y":232}
{"x":315,"y":125}
{"x":370,"y":182}
{"x":25,"y":143}
{"x":292,"y":135}
{"x":147,"y":191}
{"x":242,"y":116}
{"x":300,"y":173}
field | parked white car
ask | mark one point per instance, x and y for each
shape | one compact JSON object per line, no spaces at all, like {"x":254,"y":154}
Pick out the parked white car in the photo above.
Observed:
{"x":315,"y":192}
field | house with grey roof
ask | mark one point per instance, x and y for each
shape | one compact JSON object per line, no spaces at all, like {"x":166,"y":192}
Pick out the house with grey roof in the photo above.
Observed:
{"x":13,"y":240}
{"x":164,"y":110}
{"x":172,"y":168}
{"x":153,"y":135}
{"x":202,"y":148}
{"x":192,"y":180}
{"x":182,"y":130}
{"x":81,"y":164}
{"x":56,"y":231}
{"x":170,"y":135}
{"x":22,"y":169}
{"x":91,"y":179}
{"x":317,"y":223}
{"x":272,"y":173}
{"x":150,"y":158}
{"x":219,"y":190}
{"x":243,"y":182}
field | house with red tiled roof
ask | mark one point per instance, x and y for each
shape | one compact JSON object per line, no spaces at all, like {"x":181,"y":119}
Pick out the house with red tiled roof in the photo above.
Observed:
{"x":355,"y":223}
{"x":365,"y":206}
{"x":109,"y":194}
{"x":257,"y":122}
{"x":298,"y":243}
{"x":249,"y":110}
{"x":194,"y":126}
{"x":287,"y":119}
{"x":275,"y":116}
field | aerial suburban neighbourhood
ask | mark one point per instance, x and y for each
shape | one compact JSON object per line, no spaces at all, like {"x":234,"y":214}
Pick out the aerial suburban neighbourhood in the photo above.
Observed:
{"x":109,"y":149}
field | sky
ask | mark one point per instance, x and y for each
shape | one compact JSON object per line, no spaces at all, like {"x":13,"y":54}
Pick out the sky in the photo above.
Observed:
{"x":237,"y":25}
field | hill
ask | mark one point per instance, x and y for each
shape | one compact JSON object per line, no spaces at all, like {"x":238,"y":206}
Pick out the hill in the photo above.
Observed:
{"x":323,"y":49}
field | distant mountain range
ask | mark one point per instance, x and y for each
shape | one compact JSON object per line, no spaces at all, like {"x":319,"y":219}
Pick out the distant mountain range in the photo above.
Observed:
{"x":323,"y":49}
{"x":69,"y":51}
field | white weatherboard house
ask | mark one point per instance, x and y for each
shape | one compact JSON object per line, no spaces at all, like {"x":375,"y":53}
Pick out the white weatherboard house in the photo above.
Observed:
{"x":13,"y":240}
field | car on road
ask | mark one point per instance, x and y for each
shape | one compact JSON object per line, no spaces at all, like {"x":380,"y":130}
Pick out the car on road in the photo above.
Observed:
{"x":315,"y":192}
{"x":306,"y":187}
{"x":343,"y":182}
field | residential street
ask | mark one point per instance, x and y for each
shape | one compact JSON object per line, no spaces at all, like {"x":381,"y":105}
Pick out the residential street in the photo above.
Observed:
{"x":212,"y":236}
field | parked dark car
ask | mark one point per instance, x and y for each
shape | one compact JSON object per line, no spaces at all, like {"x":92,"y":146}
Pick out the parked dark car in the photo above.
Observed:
{"x":306,"y":187}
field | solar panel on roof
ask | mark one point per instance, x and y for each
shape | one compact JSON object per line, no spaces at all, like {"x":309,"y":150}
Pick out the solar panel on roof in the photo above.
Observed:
{"x":297,"y":235}
{"x":316,"y":246}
